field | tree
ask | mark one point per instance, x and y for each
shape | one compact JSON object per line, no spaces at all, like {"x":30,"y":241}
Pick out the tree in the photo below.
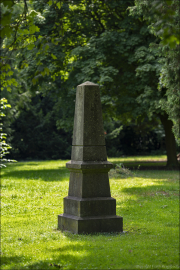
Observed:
{"x":17,"y":31}
{"x":39,"y":138}
{"x":4,"y":147}
{"x":163,"y":17}
{"x":30,"y":139}
{"x":118,"y":56}
{"x":98,"y":41}
{"x":18,"y":34}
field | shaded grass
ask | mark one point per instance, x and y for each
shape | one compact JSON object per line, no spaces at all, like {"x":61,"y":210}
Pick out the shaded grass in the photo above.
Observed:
{"x":144,"y":162}
{"x":141,"y":161}
{"x":32,"y":197}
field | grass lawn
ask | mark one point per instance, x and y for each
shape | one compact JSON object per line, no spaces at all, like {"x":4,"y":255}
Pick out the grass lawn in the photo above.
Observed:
{"x":141,"y":161}
{"x":32,"y":198}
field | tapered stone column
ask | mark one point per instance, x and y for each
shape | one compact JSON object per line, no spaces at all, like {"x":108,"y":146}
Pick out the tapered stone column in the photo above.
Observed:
{"x":89,"y":207}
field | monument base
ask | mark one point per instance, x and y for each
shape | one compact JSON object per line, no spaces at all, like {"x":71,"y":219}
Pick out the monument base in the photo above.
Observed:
{"x":94,"y":224}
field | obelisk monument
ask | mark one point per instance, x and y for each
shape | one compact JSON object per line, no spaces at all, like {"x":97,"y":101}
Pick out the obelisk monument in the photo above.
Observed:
{"x":89,"y":207}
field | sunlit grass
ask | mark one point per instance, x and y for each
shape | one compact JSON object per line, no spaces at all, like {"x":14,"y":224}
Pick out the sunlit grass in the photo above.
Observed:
{"x":140,"y":161}
{"x":139,"y":158}
{"x":32,"y":197}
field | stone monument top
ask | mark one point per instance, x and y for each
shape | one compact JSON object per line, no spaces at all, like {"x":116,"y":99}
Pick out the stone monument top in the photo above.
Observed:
{"x":88,"y":125}
{"x":88,"y":83}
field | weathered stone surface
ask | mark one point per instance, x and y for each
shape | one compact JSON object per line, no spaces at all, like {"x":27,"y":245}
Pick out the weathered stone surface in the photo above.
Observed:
{"x":80,"y":225}
{"x":89,"y":153}
{"x":88,"y":122}
{"x":100,"y":206}
{"x":89,"y":185}
{"x":89,"y":207}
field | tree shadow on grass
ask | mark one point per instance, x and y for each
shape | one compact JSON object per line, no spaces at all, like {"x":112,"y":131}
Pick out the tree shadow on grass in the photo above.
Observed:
{"x":165,"y":189}
{"x":87,"y":253}
{"x":56,"y":259}
{"x":150,"y":208}
{"x":60,"y":174}
{"x":151,"y":175}
{"x":5,"y":260}
{"x":165,"y":176}
{"x":148,"y":165}
{"x":70,"y":257}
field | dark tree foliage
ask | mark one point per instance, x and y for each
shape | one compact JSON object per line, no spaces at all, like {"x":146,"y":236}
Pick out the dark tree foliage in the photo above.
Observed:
{"x":76,"y":41}
{"x":36,"y":135}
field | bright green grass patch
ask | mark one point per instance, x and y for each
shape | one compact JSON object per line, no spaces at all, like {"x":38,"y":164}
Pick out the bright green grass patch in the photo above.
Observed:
{"x":32,"y":197}
{"x":139,"y":158}
{"x":140,"y":161}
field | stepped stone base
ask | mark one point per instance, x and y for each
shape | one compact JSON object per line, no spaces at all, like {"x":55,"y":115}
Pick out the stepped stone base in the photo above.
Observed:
{"x":88,"y":207}
{"x":93,"y":224}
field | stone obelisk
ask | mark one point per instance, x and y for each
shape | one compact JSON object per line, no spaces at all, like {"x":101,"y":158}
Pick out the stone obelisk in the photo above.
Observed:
{"x":89,"y":207}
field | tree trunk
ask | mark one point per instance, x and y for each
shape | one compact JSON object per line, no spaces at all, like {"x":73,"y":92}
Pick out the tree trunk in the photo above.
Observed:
{"x":170,"y":141}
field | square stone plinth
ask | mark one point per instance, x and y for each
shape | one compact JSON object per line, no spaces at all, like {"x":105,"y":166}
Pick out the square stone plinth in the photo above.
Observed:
{"x":90,"y":206}
{"x":80,"y":225}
